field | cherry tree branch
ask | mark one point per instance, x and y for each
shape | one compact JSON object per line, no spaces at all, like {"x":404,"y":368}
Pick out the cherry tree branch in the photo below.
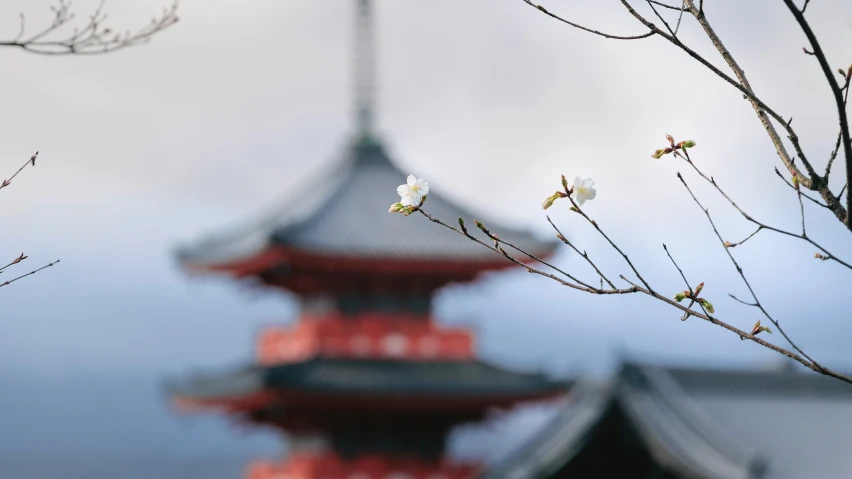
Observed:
{"x":739,"y":268}
{"x":803,"y":236}
{"x":93,"y":38}
{"x":836,"y":90}
{"x":636,"y":288}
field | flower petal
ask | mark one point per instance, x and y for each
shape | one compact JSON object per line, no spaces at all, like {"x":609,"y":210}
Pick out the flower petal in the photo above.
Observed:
{"x":411,"y":180}
{"x":423,"y":186}
{"x":408,"y":200}
{"x":588,"y":183}
{"x":403,"y":190}
{"x":578,"y":182}
{"x":591,"y":193}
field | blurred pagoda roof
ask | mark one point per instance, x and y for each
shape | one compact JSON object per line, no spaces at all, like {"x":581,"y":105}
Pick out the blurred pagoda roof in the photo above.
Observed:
{"x":366,"y":378}
{"x":343,"y":214}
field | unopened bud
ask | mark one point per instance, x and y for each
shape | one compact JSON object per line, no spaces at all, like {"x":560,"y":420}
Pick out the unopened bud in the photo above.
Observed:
{"x":461,"y":225}
{"x":422,"y":200}
{"x":575,"y":209}
{"x":758,"y":328}
{"x":707,"y":305}
{"x":728,"y":244}
{"x":564,"y":182}
{"x":699,"y":288}
{"x":482,"y":227}
{"x":548,"y":202}
{"x":657,"y":154}
{"x":796,"y":181}
{"x":679,"y":297}
{"x":394,"y":208}
{"x":669,"y":137}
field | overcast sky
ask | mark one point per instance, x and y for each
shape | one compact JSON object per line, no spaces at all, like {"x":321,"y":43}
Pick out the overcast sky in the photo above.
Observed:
{"x":489,"y":100}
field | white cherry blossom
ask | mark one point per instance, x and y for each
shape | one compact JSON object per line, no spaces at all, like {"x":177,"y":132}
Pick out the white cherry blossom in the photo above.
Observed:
{"x":413,"y":191}
{"x":584,"y":189}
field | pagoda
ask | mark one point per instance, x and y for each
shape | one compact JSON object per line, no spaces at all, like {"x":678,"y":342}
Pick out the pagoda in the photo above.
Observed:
{"x":366,"y":384}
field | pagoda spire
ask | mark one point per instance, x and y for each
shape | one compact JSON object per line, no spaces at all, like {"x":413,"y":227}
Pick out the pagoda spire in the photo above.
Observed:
{"x":364,"y":71}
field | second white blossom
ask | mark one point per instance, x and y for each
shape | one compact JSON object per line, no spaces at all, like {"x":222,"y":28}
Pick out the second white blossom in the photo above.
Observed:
{"x":584,"y":189}
{"x":413,"y":191}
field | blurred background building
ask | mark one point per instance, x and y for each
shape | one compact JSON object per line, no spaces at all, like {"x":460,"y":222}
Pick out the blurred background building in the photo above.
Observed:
{"x":366,"y":383}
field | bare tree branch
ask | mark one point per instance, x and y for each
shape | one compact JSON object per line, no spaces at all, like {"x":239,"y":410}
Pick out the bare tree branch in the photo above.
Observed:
{"x":748,"y":217}
{"x":635,"y":288}
{"x":745,"y":280}
{"x":836,"y":91}
{"x":93,"y":38}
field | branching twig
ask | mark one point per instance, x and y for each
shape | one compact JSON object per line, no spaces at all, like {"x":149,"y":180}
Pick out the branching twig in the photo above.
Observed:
{"x":814,"y":200}
{"x":745,"y":280}
{"x":583,"y":254}
{"x":692,"y":293}
{"x":665,"y":5}
{"x":93,"y":38}
{"x":15,"y":261}
{"x":758,"y":223}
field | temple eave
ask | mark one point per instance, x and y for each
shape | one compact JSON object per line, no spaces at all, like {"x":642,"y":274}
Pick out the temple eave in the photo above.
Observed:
{"x":274,"y":257}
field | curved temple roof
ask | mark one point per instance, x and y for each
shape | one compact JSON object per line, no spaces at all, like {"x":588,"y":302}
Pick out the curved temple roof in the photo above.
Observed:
{"x":702,"y":424}
{"x":344,"y":214}
{"x":369,"y":377}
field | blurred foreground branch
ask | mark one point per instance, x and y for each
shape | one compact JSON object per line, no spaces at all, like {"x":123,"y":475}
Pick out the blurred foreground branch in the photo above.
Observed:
{"x":91,"y":36}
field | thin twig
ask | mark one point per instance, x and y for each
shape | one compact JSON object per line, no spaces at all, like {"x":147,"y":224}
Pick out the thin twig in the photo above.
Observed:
{"x":8,"y":181}
{"x":673,"y":34}
{"x":594,"y":223}
{"x":741,"y":301}
{"x":28,"y":274}
{"x":734,"y":245}
{"x":679,"y":18}
{"x":748,"y":217}
{"x":814,"y":200}
{"x":15,"y":261}
{"x":583,"y":254}
{"x":692,"y":294}
{"x":665,"y":5}
{"x":585,"y":29}
{"x":802,"y":210}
